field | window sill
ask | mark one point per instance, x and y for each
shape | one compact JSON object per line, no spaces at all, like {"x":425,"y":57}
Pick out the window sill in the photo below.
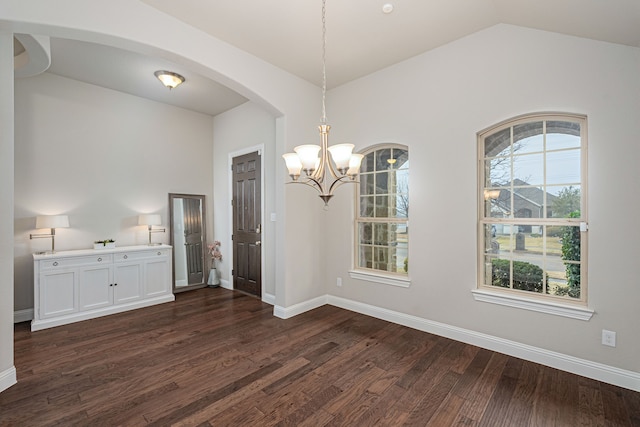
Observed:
{"x":379,"y":278}
{"x":564,"y":310}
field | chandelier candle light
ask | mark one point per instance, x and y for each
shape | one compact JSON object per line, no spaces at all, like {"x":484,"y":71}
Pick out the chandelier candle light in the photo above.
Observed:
{"x":316,"y":169}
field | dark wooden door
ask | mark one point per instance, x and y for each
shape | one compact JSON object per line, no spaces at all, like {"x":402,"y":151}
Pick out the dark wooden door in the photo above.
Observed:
{"x":247,"y":214}
{"x":193,"y":240}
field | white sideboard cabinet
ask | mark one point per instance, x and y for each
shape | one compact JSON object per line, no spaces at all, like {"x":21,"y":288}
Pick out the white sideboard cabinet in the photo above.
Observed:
{"x":70,"y":286}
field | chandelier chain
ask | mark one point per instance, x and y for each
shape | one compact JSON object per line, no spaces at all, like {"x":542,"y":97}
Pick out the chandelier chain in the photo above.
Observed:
{"x":324,"y":63}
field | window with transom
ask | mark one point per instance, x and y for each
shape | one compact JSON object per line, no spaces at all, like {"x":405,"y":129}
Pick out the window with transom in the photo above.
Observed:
{"x":532,"y":210}
{"x":382,"y":214}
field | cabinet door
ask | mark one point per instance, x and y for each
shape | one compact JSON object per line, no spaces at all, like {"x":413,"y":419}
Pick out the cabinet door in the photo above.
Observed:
{"x":58,"y":293}
{"x":157,"y":277}
{"x":127,"y":283}
{"x":95,"y":288}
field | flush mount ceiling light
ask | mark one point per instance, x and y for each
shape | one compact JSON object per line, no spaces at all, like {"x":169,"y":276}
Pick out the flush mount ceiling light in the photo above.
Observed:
{"x":387,"y":8}
{"x":169,"y":79}
{"x":347,"y":164}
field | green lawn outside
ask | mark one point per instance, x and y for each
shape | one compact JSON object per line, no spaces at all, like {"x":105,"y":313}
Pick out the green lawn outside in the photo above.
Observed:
{"x":532,"y":244}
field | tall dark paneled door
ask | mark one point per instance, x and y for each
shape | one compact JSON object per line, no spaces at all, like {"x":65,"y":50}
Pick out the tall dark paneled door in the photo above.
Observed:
{"x":247,"y":230}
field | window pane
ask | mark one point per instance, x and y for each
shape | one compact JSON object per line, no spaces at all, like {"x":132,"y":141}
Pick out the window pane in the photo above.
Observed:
{"x":401,"y":207}
{"x":497,"y":172}
{"x":368,"y":163}
{"x":402,"y":158}
{"x":382,"y":159}
{"x":366,"y":206}
{"x":528,"y":138}
{"x":563,"y":167}
{"x":380,"y":234}
{"x":366,"y":257}
{"x":528,"y":277}
{"x":382,"y":206}
{"x":563,"y":201}
{"x":528,"y":169}
{"x":497,"y":203}
{"x":528,"y":202}
{"x":491,"y":245}
{"x":382,"y":183}
{"x":562,"y":134}
{"x":367,"y":185}
{"x":365,"y":233}
{"x":498,"y":144}
{"x":571,"y":239}
{"x":504,"y":238}
{"x":402,"y":248}
{"x":381,"y":258}
{"x":553,"y":241}
{"x":497,"y":272}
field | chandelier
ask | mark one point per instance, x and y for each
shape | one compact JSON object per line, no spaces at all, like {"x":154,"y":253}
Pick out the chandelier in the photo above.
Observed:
{"x":320,"y":172}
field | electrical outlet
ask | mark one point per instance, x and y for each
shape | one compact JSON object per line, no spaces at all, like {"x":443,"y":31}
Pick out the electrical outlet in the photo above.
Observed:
{"x":339,"y":281}
{"x":608,"y":338}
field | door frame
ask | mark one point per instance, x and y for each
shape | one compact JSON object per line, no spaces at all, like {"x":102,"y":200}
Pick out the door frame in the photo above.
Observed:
{"x":260,"y":149}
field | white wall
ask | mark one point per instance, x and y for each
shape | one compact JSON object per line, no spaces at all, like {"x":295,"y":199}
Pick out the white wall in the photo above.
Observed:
{"x":240,"y":130}
{"x":7,"y":370}
{"x":102,"y":157}
{"x":435,"y":103}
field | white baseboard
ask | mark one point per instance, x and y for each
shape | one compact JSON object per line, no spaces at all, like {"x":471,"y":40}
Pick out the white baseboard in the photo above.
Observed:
{"x":8,"y":378}
{"x":269,"y":298}
{"x":294,"y":310}
{"x":23,"y":315}
{"x":574,"y":365}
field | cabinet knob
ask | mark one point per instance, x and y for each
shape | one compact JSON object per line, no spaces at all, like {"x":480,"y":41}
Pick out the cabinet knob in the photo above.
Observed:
{"x":99,"y":259}
{"x":55,"y":263}
{"x":159,"y":253}
{"x":125,"y":257}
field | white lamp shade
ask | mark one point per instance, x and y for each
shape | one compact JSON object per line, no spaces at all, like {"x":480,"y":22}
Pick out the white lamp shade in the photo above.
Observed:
{"x":293,"y":163}
{"x":341,"y":154}
{"x":149,"y":219}
{"x":308,"y":155}
{"x":52,"y":221}
{"x":354,"y":163}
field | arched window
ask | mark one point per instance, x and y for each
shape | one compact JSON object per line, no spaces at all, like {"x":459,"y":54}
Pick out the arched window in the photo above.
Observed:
{"x":382,"y":213}
{"x":532,"y":210}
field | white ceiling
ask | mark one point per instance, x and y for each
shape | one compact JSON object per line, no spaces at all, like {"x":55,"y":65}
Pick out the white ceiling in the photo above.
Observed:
{"x":361,"y":39}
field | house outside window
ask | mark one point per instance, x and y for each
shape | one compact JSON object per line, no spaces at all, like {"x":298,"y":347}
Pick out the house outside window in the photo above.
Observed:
{"x":532,"y":210}
{"x":382,"y":211}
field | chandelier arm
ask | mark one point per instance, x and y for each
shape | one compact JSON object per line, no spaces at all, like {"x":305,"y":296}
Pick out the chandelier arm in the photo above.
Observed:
{"x":338,"y":182}
{"x":311,"y":183}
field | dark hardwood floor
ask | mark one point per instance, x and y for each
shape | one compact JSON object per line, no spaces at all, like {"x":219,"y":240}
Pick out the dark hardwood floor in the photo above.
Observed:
{"x":219,"y":358}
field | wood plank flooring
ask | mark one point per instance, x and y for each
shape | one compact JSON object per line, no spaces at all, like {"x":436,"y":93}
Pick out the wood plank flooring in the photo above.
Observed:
{"x":216,"y":357}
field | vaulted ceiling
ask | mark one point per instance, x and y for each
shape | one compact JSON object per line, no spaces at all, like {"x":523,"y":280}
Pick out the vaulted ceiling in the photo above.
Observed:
{"x":361,"y":38}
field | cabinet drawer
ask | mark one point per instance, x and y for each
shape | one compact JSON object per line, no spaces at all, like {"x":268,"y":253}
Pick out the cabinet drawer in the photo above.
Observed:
{"x":132,"y":256}
{"x":60,"y":263}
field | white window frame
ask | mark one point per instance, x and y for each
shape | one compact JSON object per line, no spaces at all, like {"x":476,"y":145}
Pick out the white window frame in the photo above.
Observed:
{"x":372,"y":274}
{"x":540,"y":302}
